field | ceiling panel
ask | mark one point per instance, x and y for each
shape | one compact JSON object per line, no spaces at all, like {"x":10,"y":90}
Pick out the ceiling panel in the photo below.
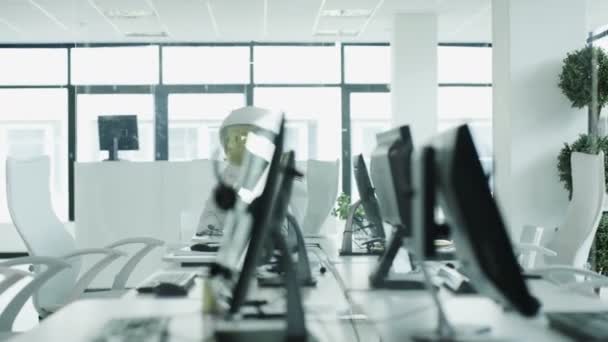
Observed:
{"x":292,"y":18}
{"x":190,"y":22}
{"x":350,"y":4}
{"x":239,"y":19}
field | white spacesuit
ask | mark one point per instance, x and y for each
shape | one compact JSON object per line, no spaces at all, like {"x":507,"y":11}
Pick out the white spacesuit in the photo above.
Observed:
{"x":233,"y":136}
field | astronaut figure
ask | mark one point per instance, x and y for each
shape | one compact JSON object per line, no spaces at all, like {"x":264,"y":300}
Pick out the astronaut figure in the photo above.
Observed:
{"x":233,"y":137}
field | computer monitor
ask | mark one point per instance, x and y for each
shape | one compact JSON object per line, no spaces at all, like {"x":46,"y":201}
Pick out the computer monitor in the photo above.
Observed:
{"x":117,"y":132}
{"x":261,"y":216}
{"x":448,"y":173}
{"x":367,"y":196}
{"x":390,"y":174}
{"x":258,"y":176}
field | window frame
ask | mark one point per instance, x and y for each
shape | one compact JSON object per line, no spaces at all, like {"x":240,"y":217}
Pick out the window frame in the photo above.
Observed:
{"x":161,"y":92}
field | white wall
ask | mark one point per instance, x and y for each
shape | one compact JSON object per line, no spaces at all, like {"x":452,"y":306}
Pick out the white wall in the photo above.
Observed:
{"x":532,"y":119}
{"x":414,"y":73}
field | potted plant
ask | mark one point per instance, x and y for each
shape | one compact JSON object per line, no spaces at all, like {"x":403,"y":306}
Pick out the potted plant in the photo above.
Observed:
{"x":584,"y":73}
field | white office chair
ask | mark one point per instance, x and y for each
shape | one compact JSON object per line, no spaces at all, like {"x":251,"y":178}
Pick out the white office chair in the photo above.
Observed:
{"x":48,"y":243}
{"x":322,"y":190}
{"x":565,"y":255}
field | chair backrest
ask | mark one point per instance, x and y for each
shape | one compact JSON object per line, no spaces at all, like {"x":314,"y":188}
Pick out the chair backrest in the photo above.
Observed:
{"x":530,"y":235}
{"x":573,"y":239}
{"x":322,"y":191}
{"x":30,"y":207}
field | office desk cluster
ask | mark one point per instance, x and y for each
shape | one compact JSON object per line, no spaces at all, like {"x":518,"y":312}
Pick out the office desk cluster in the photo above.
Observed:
{"x":341,"y":307}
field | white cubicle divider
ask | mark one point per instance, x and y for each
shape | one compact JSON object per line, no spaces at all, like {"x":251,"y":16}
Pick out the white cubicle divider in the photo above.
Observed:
{"x":163,"y":200}
{"x":115,"y":200}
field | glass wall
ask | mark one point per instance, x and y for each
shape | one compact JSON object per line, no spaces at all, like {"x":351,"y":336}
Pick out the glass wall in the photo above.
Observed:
{"x":336,"y":99}
{"x":34,"y":120}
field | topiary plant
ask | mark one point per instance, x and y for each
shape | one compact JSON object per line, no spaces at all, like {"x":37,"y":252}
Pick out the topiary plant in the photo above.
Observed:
{"x":575,"y":81}
{"x":584,"y":144}
{"x":601,"y":246}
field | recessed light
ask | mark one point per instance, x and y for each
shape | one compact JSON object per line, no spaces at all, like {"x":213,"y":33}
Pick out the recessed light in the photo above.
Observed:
{"x":340,"y":33}
{"x":349,"y":13}
{"x":128,"y":14}
{"x":161,"y":34}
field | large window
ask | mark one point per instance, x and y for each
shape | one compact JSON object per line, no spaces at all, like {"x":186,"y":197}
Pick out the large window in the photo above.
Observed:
{"x":115,"y":65}
{"x":194,"y":121}
{"x":336,"y":98}
{"x":34,"y":124}
{"x":367,"y":64}
{"x":297,"y":64}
{"x":206,"y":65}
{"x":465,"y":94}
{"x":313,"y":114}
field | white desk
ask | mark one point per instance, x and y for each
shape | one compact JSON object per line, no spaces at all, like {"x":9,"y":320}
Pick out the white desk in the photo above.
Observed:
{"x":389,"y":315}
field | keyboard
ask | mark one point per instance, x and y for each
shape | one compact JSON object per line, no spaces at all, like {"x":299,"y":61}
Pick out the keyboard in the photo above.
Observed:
{"x":152,"y":329}
{"x":182,"y":279}
{"x":582,"y":326}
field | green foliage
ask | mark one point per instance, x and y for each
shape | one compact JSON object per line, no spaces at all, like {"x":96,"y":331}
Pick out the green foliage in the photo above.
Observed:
{"x":342,"y":206}
{"x":584,"y":144}
{"x":575,"y":78}
{"x":601,"y":246}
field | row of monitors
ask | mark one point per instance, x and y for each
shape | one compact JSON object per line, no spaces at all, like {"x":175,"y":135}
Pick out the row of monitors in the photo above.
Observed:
{"x":409,"y":185}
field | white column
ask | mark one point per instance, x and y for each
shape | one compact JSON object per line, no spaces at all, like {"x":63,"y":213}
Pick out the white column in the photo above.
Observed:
{"x":414,"y":73}
{"x":531,"y":117}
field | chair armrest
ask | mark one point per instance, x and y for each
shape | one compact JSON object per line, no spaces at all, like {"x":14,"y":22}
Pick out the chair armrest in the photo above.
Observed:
{"x":85,"y":280}
{"x":53,"y":266}
{"x":92,"y":251}
{"x":120,"y":280}
{"x":549,"y":270}
{"x":11,"y":276}
{"x":590,"y":284}
{"x":143,"y":240}
{"x":529,"y":247}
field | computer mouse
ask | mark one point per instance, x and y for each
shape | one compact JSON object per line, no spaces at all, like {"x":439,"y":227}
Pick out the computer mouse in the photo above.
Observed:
{"x":170,"y":290}
{"x":204,"y":247}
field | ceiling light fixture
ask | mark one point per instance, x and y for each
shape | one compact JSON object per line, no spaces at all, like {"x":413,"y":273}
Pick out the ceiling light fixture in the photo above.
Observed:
{"x":346,"y":13}
{"x":336,"y":33}
{"x":161,"y":34}
{"x":128,"y":14}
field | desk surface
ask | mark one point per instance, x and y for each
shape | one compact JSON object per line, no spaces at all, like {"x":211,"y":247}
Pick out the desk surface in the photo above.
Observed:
{"x":340,"y":308}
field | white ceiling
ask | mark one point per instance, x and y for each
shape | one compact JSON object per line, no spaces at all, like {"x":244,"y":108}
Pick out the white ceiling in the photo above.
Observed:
{"x":54,"y":21}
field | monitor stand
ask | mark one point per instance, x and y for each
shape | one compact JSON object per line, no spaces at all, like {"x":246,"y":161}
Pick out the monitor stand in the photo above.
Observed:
{"x":351,"y":226}
{"x":303,"y":269}
{"x":295,"y":328}
{"x":113,"y":152}
{"x":379,"y":278}
{"x":445,"y":331}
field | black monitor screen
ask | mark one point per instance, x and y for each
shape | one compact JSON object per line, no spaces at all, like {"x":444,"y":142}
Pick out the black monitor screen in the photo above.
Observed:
{"x":390,"y":174}
{"x":367,"y":196}
{"x":122,"y":127}
{"x":261,"y":215}
{"x":482,"y":242}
